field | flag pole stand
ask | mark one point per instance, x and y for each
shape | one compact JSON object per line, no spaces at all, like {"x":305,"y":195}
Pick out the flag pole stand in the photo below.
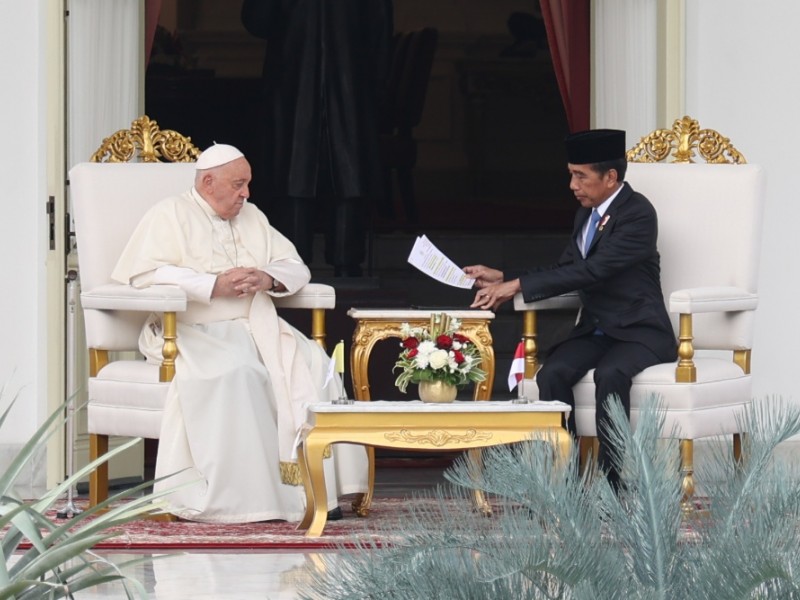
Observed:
{"x":70,"y":510}
{"x":343,"y":399}
{"x":521,"y":397}
{"x":338,"y":360}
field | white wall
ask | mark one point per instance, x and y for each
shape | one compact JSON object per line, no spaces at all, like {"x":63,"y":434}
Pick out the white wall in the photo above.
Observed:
{"x":743,"y":81}
{"x":23,"y":226}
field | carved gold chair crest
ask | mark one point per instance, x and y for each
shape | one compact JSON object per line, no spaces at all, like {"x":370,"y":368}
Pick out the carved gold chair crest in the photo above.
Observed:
{"x":153,"y":144}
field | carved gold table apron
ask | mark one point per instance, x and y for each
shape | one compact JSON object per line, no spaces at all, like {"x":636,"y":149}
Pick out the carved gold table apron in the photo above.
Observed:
{"x":373,"y":325}
{"x":417,"y":425}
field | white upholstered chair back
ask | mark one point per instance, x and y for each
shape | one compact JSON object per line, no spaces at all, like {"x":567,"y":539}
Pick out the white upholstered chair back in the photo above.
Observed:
{"x":108,"y":201}
{"x":710,"y":222}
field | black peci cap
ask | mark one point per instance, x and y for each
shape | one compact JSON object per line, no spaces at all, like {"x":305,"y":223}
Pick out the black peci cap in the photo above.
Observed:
{"x":594,"y":146}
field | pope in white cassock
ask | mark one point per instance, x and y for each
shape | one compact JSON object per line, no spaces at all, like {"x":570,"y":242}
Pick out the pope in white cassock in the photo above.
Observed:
{"x":243,"y":376}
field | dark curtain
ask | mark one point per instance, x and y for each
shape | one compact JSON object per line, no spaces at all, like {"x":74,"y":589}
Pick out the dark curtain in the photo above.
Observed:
{"x":152,"y":10}
{"x":567,"y":25}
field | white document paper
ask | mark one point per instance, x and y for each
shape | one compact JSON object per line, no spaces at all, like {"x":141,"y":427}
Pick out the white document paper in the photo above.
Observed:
{"x":429,"y":259}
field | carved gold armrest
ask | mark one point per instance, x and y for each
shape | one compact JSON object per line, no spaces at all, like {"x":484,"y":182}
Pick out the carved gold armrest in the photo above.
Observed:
{"x":530,"y":325}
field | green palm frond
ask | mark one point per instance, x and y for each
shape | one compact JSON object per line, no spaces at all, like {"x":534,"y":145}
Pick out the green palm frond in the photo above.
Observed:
{"x":556,"y":533}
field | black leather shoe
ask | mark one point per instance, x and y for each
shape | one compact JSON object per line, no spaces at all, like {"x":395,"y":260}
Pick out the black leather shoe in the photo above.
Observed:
{"x":335,"y":514}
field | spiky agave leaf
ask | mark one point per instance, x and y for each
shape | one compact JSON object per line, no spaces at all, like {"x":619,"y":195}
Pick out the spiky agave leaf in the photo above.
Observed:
{"x":94,"y":521}
{"x":28,"y":450}
{"x":23,"y":522}
{"x":58,"y":556}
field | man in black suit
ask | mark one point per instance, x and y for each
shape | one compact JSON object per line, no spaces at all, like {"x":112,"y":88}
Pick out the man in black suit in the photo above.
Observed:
{"x":612,"y":262}
{"x":325,"y":76}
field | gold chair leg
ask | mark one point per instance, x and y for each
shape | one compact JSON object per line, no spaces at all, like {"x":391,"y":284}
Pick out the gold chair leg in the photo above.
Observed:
{"x":362,"y":502}
{"x":737,"y":447}
{"x":587,"y":449}
{"x":318,"y":332}
{"x":687,"y":473}
{"x":98,"y":479}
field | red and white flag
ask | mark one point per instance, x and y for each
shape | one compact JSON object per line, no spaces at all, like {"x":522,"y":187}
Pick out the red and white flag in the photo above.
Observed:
{"x":517,"y":371}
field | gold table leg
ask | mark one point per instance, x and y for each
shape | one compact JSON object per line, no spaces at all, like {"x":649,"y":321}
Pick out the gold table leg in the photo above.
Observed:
{"x":301,"y":464}
{"x":314,"y":450}
{"x":478,"y":497}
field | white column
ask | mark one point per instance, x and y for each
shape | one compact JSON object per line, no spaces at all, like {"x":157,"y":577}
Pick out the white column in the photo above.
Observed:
{"x":104,"y":71}
{"x":624,"y":66}
{"x":23,"y":229}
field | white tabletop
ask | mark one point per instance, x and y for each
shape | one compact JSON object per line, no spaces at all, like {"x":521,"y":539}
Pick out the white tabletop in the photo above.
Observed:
{"x":459,"y":406}
{"x":403,"y":314}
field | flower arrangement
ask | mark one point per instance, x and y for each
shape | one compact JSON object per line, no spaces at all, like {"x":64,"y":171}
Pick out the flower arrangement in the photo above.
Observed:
{"x":437,"y":353}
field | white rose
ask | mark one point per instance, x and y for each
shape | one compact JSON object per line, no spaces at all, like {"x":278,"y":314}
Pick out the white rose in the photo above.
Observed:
{"x":439,"y":359}
{"x":426,"y":347}
{"x":423,"y":356}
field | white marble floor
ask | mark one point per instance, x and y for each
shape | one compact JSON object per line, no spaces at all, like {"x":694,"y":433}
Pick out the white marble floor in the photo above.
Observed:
{"x":241,"y":575}
{"x":211,"y":576}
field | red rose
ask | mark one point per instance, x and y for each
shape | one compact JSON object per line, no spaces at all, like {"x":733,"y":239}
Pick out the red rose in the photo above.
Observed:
{"x":412,"y":353}
{"x":461,"y":338}
{"x":445,"y":342}
{"x":410,"y":342}
{"x":458,"y":356}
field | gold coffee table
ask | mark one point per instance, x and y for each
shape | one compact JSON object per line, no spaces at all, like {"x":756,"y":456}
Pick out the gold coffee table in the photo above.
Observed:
{"x":417,"y":425}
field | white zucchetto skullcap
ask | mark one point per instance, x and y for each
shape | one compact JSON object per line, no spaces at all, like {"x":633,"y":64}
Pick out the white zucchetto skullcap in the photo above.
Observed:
{"x":216,"y":156}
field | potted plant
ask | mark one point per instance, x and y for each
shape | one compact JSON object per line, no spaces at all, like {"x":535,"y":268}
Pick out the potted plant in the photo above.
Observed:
{"x":438,"y":358}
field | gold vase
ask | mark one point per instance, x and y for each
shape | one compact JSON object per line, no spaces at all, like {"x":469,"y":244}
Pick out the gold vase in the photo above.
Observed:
{"x":437,"y":391}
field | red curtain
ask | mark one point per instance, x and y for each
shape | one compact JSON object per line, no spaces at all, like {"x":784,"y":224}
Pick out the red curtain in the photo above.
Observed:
{"x":567,"y":24}
{"x":152,"y":10}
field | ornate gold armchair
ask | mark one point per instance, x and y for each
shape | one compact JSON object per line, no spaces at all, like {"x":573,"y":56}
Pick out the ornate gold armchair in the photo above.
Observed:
{"x":109,"y":196}
{"x":710,"y":218}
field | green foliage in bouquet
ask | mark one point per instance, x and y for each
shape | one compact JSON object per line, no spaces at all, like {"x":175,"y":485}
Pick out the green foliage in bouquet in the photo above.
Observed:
{"x":59,"y":562}
{"x":437,"y":353}
{"x":557,"y":534}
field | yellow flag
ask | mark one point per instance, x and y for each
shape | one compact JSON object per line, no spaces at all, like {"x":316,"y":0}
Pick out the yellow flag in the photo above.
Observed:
{"x":338,"y":356}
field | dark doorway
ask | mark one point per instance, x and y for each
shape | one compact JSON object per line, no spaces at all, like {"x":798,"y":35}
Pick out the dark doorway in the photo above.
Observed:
{"x":490,"y":140}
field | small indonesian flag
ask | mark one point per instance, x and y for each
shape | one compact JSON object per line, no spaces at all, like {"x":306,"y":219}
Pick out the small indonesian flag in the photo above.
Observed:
{"x":338,"y":356}
{"x":517,"y":371}
{"x":336,"y":365}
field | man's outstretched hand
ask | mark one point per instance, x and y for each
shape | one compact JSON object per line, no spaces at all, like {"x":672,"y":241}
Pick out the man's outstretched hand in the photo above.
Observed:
{"x":491,"y":297}
{"x":483,"y":276}
{"x":492,"y":290}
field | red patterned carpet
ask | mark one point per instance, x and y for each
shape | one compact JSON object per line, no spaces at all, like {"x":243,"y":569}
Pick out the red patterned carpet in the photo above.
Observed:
{"x":149,"y":534}
{"x":276,"y":535}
